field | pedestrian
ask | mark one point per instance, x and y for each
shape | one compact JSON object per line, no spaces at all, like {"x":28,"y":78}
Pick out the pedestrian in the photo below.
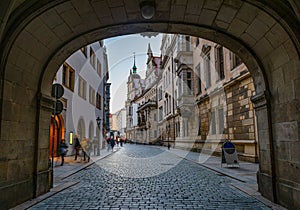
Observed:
{"x":108,"y":143}
{"x":63,"y":151}
{"x":76,"y":146}
{"x":122,"y":141}
{"x":85,"y":145}
{"x":95,"y":145}
{"x":112,"y":143}
{"x":117,"y":141}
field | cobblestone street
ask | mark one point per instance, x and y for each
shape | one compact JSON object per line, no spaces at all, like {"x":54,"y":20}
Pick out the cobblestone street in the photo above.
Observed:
{"x":145,"y":177}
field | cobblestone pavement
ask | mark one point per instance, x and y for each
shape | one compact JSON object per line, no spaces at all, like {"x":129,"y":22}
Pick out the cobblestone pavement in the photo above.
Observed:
{"x":145,"y":177}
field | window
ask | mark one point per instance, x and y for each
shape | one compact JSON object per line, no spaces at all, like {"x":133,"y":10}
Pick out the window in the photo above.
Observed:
{"x":168,"y":76}
{"x":187,"y":43}
{"x":82,"y":88}
{"x":198,"y":79}
{"x":177,"y":129}
{"x":160,"y":113}
{"x":179,"y":86}
{"x":84,"y":51}
{"x":92,"y":96}
{"x":189,"y":82}
{"x":99,"y":68}
{"x":155,"y":117}
{"x":213,"y":122}
{"x":101,"y":43}
{"x":234,"y":60}
{"x":219,"y":63}
{"x":91,"y":130}
{"x":169,"y":105}
{"x":221,"y":121}
{"x":207,"y":72}
{"x":98,"y":101}
{"x":129,"y":111}
{"x":185,"y":127}
{"x":92,"y":58}
{"x":68,"y":77}
{"x":159,"y":93}
{"x":197,"y":42}
{"x":175,"y":98}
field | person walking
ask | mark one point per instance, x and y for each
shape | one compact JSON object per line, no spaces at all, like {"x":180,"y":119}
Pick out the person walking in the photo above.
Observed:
{"x":112,"y":143}
{"x":76,"y":146}
{"x":63,"y":151}
{"x":108,"y":143}
{"x":85,"y":145}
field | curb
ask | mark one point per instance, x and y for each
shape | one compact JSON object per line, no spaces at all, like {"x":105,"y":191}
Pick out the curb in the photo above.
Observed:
{"x":238,"y":183}
{"x":60,"y":186}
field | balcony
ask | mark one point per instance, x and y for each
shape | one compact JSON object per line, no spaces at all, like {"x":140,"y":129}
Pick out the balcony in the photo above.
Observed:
{"x":185,"y":105}
{"x":149,"y":103}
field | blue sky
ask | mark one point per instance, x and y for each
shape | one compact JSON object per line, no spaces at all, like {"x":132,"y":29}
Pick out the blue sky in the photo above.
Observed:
{"x":120,"y":60}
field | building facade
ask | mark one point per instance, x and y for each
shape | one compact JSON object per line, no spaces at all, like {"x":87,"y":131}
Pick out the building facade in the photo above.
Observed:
{"x":83,"y":76}
{"x":197,"y":95}
{"x":223,"y":89}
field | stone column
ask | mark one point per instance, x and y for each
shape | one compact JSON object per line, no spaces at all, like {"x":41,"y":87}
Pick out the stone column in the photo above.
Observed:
{"x":266,"y":176}
{"x":43,"y":172}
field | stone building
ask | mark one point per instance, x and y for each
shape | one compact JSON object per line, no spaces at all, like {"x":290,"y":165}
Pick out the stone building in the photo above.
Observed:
{"x":223,"y":89}
{"x":147,"y":102}
{"x":134,"y":89}
{"x":200,"y":100}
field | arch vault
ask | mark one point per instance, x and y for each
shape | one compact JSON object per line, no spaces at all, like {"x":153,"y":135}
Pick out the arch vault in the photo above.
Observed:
{"x":38,"y":35}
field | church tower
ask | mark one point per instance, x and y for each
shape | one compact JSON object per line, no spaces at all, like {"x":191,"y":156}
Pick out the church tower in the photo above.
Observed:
{"x":134,"y":68}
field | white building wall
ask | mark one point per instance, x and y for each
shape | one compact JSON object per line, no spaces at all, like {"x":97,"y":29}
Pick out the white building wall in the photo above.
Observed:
{"x":76,"y":107}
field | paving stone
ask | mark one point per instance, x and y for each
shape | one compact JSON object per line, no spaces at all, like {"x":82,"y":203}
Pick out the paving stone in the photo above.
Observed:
{"x":142,"y":177}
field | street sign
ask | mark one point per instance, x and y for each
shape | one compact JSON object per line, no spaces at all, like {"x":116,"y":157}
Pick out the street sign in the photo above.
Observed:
{"x":58,"y":107}
{"x":229,"y":155}
{"x":57,"y":91}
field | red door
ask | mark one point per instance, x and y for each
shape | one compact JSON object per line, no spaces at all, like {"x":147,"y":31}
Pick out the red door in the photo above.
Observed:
{"x":54,"y":137}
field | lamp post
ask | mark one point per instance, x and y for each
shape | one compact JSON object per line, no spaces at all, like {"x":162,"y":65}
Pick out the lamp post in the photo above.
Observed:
{"x":98,"y":120}
{"x":168,"y":132}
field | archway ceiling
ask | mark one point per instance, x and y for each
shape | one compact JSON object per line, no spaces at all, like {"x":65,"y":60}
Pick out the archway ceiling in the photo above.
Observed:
{"x":58,"y":28}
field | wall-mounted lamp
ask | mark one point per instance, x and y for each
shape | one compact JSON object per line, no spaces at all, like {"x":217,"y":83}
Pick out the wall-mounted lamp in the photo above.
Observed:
{"x":148,"y":9}
{"x":71,"y":137}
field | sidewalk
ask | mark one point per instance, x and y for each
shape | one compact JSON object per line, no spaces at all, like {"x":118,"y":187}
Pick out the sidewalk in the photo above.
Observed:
{"x":244,"y":176}
{"x":72,"y":166}
{"x":69,"y":168}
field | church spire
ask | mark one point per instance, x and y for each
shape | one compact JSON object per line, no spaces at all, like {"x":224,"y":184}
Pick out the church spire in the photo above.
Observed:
{"x":134,"y":67}
{"x":149,"y":53}
{"x":149,"y":50}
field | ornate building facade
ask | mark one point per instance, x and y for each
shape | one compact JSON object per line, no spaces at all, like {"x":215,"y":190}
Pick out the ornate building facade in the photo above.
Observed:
{"x":197,"y":95}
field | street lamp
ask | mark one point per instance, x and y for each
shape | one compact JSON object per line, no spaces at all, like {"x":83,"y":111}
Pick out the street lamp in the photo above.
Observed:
{"x":168,"y":131}
{"x":98,"y":120}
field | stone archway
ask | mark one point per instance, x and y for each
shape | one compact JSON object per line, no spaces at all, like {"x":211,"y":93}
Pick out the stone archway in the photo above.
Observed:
{"x":39,"y":36}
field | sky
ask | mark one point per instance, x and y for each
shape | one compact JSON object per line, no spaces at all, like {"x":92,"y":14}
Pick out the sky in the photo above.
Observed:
{"x":120,"y":60}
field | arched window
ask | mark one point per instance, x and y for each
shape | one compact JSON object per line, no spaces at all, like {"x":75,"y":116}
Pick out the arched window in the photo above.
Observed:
{"x":81,"y":128}
{"x":91,"y":130}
